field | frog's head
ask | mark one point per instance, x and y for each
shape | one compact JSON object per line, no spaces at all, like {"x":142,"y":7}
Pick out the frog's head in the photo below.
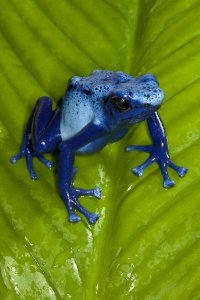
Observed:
{"x":134,"y":101}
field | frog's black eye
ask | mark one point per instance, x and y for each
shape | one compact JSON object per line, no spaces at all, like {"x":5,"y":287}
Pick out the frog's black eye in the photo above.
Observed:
{"x":121,"y":104}
{"x":87,"y":91}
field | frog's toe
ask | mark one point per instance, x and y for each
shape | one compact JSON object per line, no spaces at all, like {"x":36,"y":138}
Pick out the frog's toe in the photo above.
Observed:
{"x":46,"y":162}
{"x":15,"y":158}
{"x":71,"y":201}
{"x":74,"y":218}
{"x":92,"y":218}
{"x":129,"y":148}
{"x":28,"y":154}
{"x":97,"y":193}
{"x":34,"y":175}
{"x":182,"y":171}
{"x":168,"y":183}
{"x":138,"y":171}
{"x":49,"y":164}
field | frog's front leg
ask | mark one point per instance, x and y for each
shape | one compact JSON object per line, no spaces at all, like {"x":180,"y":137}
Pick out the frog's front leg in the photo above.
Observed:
{"x":159,"y":152}
{"x":41,"y":135}
{"x":70,"y":193}
{"x":67,"y":173}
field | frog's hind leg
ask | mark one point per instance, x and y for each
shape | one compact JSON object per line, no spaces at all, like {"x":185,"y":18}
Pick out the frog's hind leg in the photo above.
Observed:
{"x":26,"y":151}
{"x":39,"y":120}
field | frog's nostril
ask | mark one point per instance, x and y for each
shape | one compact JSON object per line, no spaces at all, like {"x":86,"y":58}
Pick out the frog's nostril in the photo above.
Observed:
{"x":147,"y":105}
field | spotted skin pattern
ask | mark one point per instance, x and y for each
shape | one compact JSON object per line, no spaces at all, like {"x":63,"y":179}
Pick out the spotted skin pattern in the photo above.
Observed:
{"x":96,"y":110}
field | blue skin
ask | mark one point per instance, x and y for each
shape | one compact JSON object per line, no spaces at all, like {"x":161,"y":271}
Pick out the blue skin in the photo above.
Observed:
{"x":96,"y":110}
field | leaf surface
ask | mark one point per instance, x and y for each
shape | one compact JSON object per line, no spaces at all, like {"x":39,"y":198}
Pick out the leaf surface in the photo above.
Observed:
{"x":146,"y":242}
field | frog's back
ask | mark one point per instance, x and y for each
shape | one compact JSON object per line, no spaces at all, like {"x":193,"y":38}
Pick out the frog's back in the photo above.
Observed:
{"x":83,"y":102}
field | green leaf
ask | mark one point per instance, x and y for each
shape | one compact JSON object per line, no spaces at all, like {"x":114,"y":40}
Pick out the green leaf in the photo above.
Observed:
{"x":146,"y":242}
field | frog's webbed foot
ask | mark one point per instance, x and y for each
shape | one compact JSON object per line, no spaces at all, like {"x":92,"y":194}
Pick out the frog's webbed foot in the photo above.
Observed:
{"x":29,"y":155}
{"x":71,"y":200}
{"x":161,"y":157}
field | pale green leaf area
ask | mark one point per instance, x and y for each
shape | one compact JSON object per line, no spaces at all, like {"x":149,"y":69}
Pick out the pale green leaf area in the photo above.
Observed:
{"x":146,"y":243}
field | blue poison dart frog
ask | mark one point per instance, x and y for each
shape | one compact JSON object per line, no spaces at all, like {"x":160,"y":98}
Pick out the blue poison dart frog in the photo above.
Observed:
{"x":96,"y":110}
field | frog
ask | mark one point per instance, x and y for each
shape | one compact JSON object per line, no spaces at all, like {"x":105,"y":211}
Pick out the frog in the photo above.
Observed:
{"x":96,"y":110}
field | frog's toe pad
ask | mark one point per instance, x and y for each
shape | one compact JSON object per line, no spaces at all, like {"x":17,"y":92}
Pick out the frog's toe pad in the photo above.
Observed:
{"x":138,"y":171}
{"x":182,"y":171}
{"x":98,"y":193}
{"x":92,"y":218}
{"x":34,"y":175}
{"x":73,"y":218}
{"x":129,"y":148}
{"x":17,"y":157}
{"x":168,"y":183}
{"x":13,"y":160}
{"x":49,"y":164}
